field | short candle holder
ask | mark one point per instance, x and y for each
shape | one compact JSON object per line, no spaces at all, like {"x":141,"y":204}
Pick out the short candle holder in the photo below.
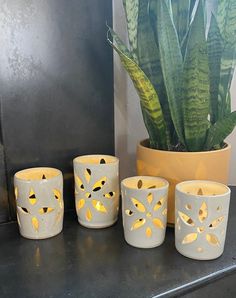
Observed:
{"x":96,"y":190}
{"x":144,"y":210}
{"x":201,"y":215}
{"x":39,"y":202}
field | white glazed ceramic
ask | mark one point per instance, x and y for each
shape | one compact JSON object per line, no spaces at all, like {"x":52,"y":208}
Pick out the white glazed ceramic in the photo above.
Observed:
{"x":96,"y":190}
{"x":144,"y":210}
{"x":201,"y":218}
{"x":39,"y":202}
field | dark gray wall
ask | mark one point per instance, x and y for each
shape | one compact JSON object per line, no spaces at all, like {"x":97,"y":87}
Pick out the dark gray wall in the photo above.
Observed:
{"x":56,"y":87}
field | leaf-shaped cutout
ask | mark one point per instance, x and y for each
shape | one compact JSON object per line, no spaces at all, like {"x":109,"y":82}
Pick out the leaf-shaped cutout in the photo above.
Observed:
{"x":44,"y":177}
{"x":16,"y":193}
{"x":138,"y":223}
{"x":202,"y":214}
{"x":99,"y":206}
{"x":148,"y":232}
{"x":102,"y":161}
{"x":79,"y":183}
{"x":186,"y":219}
{"x":200,"y":192}
{"x":214,"y":224}
{"x":23,"y":209}
{"x":164,"y":212}
{"x":158,"y":223}
{"x":150,"y":198}
{"x":129,"y":212}
{"x":109,"y":195}
{"x":35,"y":223}
{"x":140,"y":207}
{"x":32,"y":197}
{"x":87,"y":175}
{"x":152,"y":186}
{"x":44,"y":210}
{"x":159,"y":204}
{"x":88,"y":214}
{"x":57,"y":194}
{"x":80,"y":204}
{"x":212,"y":239}
{"x":140,"y":184}
{"x":99,"y":184}
{"x":189,"y":238}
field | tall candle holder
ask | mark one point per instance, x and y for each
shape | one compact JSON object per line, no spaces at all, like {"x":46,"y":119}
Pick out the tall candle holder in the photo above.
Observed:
{"x":39,"y":202}
{"x":96,"y":190}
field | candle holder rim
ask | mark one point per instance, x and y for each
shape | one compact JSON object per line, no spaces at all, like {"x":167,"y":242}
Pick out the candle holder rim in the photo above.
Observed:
{"x":146,"y":177}
{"x":59,"y":173}
{"x":78,"y":159}
{"x":227,"y":192}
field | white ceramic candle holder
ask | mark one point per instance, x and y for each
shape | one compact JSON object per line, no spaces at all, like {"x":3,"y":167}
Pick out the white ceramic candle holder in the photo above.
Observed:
{"x":39,"y":202}
{"x":96,"y":190}
{"x":201,"y":217}
{"x":144,"y":210}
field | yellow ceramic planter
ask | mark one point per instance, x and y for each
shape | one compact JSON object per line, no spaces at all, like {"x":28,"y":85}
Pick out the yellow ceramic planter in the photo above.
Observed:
{"x":181,"y":166}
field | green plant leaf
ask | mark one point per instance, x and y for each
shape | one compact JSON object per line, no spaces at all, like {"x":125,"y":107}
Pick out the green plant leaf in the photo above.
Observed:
{"x":215,"y":50}
{"x":148,"y":96}
{"x":149,"y":60}
{"x":131,"y":10}
{"x":196,"y":85}
{"x":226,"y":18}
{"x":171,"y":60}
{"x":220,"y":130}
{"x":181,"y":15}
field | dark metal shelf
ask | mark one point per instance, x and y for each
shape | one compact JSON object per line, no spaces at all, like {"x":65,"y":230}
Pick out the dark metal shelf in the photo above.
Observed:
{"x":82,"y":262}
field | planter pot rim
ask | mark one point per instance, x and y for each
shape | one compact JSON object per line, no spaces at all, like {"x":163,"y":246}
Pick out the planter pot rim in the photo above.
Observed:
{"x":143,"y":144}
{"x":227,"y":192}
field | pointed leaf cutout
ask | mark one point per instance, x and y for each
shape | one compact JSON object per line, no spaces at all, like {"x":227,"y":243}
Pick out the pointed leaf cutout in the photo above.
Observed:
{"x":138,"y":223}
{"x":87,"y":175}
{"x":150,"y":198}
{"x":79,"y":183}
{"x":186,"y":219}
{"x":200,"y":192}
{"x":102,"y":161}
{"x":99,"y":206}
{"x":139,"y":184}
{"x":140,"y":207}
{"x":24,"y":210}
{"x":164,"y":212}
{"x":45,"y":210}
{"x":158,"y":223}
{"x":32,"y":197}
{"x":57,"y":195}
{"x":216,"y":222}
{"x":129,"y":212}
{"x":148,"y":232}
{"x":189,"y":238}
{"x":99,"y":184}
{"x":80,"y":204}
{"x":16,"y":193}
{"x":88,"y":214}
{"x":202,"y":214}
{"x":159,"y":204}
{"x":212,"y":239}
{"x":109,"y":195}
{"x":35,"y":223}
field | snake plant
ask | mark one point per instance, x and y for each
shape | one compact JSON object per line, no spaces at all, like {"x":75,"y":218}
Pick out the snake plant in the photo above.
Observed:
{"x":181,"y":70}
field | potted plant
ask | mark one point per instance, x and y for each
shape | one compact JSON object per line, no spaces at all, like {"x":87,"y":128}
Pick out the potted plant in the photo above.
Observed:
{"x":182,"y":73}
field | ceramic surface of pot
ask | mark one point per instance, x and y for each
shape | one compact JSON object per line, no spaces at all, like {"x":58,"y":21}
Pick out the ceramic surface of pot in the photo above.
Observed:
{"x":176,"y":167}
